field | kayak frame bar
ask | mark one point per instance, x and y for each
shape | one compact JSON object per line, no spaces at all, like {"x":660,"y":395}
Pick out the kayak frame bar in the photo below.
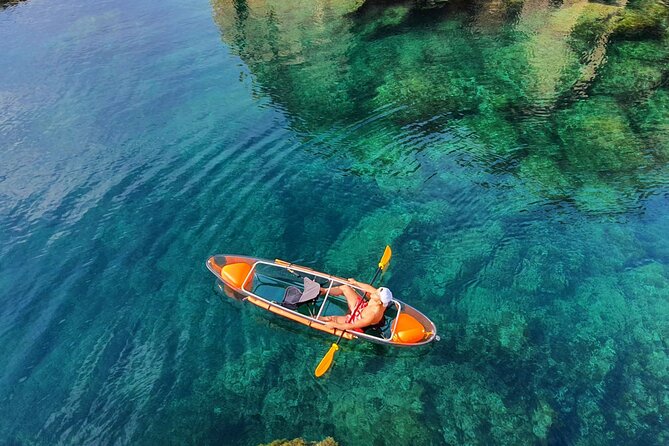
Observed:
{"x":325,"y":299}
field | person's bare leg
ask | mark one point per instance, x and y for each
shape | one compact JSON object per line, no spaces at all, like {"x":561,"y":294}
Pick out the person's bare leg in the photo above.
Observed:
{"x":337,"y":319}
{"x":334,"y":291}
{"x":352,"y":298}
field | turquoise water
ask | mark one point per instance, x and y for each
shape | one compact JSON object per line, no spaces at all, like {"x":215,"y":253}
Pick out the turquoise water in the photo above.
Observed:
{"x":513,"y":154}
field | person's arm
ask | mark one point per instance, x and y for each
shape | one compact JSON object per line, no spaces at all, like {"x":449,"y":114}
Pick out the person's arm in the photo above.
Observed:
{"x":365,"y":287}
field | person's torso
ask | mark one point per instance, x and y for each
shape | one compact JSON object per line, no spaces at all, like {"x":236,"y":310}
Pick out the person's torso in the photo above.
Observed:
{"x":373,"y":311}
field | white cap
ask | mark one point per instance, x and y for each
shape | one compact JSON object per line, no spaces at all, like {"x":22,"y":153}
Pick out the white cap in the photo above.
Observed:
{"x":386,"y":296}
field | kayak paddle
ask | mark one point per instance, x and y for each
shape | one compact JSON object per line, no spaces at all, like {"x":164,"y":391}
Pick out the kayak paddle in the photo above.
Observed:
{"x":326,"y":362}
{"x":385,"y":259}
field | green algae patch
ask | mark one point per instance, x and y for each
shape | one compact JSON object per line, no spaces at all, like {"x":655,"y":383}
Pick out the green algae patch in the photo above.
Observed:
{"x":633,"y":69}
{"x":543,"y":418}
{"x":469,"y":407}
{"x":543,"y":270}
{"x":360,"y":248}
{"x":641,"y":19}
{"x":595,"y":21}
{"x":329,"y":441}
{"x":544,"y":177}
{"x":597,"y":138}
{"x":652,"y":117}
{"x":598,"y":199}
{"x":361,"y":413}
{"x":548,"y":53}
{"x":516,"y":95}
{"x":458,"y":254}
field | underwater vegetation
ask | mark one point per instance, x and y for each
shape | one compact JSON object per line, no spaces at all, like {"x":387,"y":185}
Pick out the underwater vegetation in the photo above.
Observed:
{"x":642,"y":18}
{"x":302,"y":442}
{"x":554,"y":94}
{"x":513,"y":152}
{"x":549,"y":346}
{"x":552,"y":328}
{"x":543,"y":341}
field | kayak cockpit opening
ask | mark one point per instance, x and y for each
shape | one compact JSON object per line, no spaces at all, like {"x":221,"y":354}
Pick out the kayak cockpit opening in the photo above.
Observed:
{"x":272,"y":282}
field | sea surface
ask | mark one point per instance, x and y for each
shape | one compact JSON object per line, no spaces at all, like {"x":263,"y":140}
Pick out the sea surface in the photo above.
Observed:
{"x":513,"y":153}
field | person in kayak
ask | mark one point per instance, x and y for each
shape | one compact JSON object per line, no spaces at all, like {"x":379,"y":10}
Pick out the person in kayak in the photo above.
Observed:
{"x":361,"y":313}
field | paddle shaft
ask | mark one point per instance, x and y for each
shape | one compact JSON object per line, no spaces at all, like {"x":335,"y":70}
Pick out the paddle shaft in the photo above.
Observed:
{"x":376,"y":274}
{"x":326,"y":362}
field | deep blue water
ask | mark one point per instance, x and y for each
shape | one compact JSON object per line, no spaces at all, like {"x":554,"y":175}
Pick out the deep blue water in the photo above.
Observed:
{"x":529,"y":220}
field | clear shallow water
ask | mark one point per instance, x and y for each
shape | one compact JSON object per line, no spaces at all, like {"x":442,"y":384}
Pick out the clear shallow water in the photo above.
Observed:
{"x":524,"y":197}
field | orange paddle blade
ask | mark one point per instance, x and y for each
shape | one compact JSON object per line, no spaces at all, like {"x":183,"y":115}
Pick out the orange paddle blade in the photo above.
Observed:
{"x":386,"y":257}
{"x":326,"y":362}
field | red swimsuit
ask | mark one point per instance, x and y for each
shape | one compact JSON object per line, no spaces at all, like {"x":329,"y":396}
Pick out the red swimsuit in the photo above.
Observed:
{"x":357,"y":313}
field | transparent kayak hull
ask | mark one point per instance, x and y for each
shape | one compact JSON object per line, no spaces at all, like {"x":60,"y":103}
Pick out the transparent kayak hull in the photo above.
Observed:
{"x":264,"y":282}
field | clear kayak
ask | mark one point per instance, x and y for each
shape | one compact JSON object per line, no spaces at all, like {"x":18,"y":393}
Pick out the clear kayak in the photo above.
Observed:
{"x":294,"y":292}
